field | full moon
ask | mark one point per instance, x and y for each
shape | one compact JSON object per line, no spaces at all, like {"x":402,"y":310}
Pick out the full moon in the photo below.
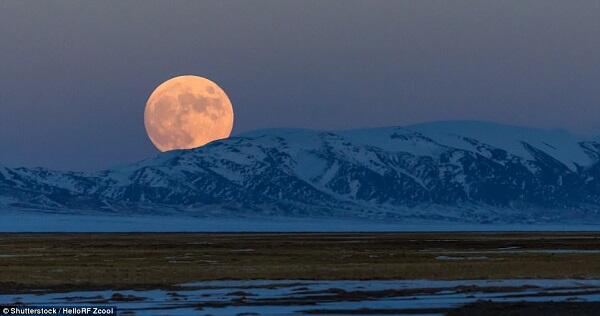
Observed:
{"x":187,"y":112}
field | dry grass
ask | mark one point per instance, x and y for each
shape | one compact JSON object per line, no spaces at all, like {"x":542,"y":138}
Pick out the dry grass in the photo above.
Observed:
{"x":30,"y":261}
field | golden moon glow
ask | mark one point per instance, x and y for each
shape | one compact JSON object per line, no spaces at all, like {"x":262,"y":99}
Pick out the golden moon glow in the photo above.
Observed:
{"x":187,"y":112}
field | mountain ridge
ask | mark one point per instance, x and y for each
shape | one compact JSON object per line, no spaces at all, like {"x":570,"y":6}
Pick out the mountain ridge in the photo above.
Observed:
{"x":474,"y":172}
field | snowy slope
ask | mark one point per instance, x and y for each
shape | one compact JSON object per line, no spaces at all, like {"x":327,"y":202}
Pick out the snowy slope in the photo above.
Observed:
{"x":470,"y":172}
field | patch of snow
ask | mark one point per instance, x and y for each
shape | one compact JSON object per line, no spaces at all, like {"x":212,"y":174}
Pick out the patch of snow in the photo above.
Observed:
{"x":449,"y":258}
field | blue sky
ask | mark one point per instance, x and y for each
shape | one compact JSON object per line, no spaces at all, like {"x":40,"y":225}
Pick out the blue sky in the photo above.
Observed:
{"x":75,"y":75}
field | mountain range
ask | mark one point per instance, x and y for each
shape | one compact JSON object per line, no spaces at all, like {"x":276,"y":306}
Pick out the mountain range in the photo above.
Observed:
{"x":460,"y":171}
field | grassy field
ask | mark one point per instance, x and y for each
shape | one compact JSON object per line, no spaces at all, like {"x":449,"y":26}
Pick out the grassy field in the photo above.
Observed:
{"x":87,"y":261}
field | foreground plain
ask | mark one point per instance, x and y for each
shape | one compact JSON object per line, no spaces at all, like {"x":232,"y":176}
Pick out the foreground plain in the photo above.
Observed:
{"x":143,"y":261}
{"x":529,"y":297}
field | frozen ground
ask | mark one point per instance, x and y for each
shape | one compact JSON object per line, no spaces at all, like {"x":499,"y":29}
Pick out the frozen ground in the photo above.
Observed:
{"x":295,"y":297}
{"x":21,"y":221}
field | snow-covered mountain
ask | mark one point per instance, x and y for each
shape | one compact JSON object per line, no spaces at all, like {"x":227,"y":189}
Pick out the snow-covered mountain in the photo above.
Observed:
{"x":446,"y":171}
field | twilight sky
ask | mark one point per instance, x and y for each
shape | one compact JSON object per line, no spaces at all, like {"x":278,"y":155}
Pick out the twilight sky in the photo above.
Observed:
{"x":75,"y":75}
